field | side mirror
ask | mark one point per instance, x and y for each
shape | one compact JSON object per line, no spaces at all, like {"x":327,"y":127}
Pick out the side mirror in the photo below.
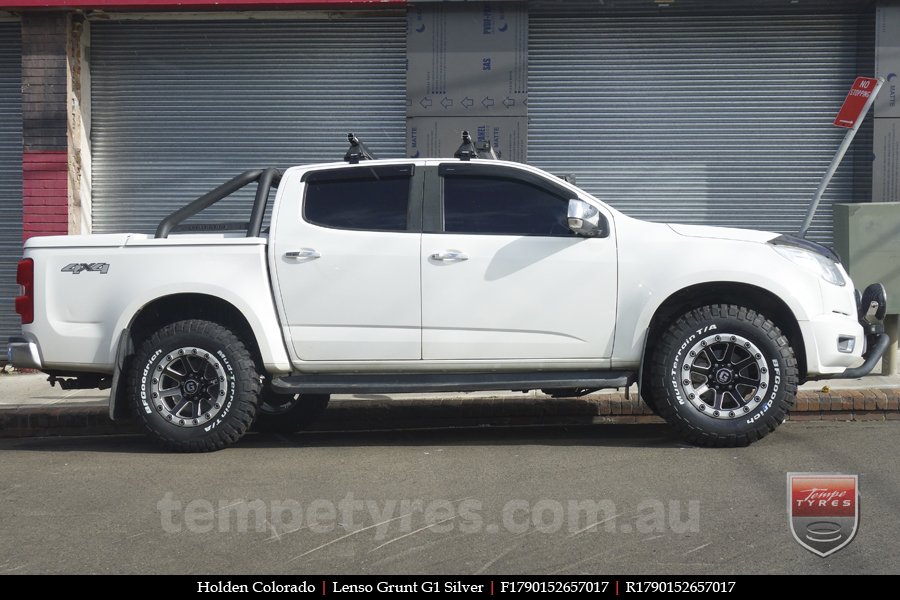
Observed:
{"x":584,"y":219}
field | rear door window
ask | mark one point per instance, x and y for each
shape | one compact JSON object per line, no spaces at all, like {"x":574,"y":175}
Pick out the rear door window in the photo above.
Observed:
{"x":363,"y":198}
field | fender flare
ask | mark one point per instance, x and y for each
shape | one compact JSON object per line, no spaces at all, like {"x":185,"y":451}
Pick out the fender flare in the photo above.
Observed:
{"x":118,"y":389}
{"x":640,"y":376}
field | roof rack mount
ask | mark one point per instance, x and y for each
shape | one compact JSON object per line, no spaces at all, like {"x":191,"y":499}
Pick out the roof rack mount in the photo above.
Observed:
{"x":469,"y":150}
{"x":357,"y":150}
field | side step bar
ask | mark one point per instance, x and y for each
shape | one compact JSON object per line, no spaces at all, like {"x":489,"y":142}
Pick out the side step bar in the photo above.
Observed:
{"x":399,"y":383}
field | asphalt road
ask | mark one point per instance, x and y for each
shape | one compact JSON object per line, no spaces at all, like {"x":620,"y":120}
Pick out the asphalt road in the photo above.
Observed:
{"x":436,"y":501}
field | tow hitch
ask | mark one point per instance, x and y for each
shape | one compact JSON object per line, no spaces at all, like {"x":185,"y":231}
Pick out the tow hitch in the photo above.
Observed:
{"x":871,"y":307}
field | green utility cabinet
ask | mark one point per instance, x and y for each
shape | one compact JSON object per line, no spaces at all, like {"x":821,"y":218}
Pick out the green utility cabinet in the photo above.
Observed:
{"x":867,"y":236}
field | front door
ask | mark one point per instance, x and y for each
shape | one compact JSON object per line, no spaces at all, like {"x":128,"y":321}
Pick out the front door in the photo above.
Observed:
{"x":505,"y":278}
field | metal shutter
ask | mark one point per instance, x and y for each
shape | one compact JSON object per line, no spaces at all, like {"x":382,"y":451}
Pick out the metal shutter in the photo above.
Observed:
{"x":721,"y":119}
{"x":180,"y":106}
{"x":10,"y":173}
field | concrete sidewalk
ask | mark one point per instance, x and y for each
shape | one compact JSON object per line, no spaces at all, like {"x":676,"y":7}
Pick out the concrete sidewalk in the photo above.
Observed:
{"x":30,"y":407}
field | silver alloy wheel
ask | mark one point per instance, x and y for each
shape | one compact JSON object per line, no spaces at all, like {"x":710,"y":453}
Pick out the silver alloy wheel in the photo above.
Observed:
{"x":724,"y":376}
{"x":188,"y":387}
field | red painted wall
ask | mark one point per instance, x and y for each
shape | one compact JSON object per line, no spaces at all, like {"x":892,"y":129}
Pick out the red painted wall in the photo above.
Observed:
{"x":45,"y":191}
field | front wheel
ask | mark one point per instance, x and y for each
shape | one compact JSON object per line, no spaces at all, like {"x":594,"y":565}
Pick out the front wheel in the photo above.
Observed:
{"x":194,"y":385}
{"x":723,"y":375}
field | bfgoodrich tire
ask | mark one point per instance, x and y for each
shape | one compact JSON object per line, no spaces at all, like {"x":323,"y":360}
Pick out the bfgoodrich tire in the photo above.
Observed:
{"x":195,"y":386}
{"x":279,"y":413}
{"x":723,"y":375}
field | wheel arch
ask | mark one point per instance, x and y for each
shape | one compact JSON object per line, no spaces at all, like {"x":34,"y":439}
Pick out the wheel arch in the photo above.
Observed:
{"x":724,"y":292}
{"x":179,"y":307}
{"x":166,"y":310}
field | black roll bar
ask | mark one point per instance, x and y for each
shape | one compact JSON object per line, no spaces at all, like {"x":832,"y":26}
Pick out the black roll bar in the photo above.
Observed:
{"x":266,"y":178}
{"x":262,"y":198}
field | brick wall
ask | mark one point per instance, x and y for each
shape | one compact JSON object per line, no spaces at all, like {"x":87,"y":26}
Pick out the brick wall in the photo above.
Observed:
{"x":45,"y":156}
{"x":44,"y":187}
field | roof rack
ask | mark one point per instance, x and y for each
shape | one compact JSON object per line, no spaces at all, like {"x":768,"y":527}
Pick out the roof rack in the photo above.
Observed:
{"x":468,"y":150}
{"x":357,"y":151}
{"x":485,"y":150}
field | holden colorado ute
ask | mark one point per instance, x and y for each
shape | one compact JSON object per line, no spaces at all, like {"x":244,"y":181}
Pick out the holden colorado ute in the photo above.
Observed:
{"x":436,"y":275}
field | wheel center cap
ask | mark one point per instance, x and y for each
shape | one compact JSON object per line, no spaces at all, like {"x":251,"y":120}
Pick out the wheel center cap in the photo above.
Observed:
{"x":724,"y":376}
{"x":191,"y":386}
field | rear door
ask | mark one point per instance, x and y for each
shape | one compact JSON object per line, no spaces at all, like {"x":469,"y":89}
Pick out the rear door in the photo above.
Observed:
{"x":346,"y":258}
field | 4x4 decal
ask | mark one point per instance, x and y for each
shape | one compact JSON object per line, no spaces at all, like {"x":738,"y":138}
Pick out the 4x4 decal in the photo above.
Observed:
{"x":76,"y":268}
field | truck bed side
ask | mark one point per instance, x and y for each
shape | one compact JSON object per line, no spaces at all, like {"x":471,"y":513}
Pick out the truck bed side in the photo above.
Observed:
{"x":89,"y":288}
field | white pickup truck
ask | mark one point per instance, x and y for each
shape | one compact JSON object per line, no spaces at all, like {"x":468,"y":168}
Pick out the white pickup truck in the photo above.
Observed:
{"x":422,"y":275}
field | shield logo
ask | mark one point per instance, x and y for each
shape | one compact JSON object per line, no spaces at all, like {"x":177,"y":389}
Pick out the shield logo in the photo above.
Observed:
{"x":823,"y":510}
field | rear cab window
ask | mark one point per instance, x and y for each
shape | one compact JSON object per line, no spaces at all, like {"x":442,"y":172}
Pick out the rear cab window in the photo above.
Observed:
{"x":366,"y":198}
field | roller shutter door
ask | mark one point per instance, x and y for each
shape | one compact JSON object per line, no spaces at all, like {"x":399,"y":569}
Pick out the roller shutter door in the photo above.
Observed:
{"x":721,"y":119}
{"x":180,"y":106}
{"x":10,"y":173}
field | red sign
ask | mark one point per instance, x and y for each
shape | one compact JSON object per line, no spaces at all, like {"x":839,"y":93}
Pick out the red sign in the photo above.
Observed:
{"x":856,"y":100}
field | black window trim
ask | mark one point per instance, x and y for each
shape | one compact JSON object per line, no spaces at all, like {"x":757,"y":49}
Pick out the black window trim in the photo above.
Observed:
{"x":462,"y":169}
{"x":414,"y":207}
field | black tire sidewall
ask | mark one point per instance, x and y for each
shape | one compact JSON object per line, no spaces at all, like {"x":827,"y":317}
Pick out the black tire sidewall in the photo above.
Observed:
{"x":669,"y":361}
{"x":219,"y":342}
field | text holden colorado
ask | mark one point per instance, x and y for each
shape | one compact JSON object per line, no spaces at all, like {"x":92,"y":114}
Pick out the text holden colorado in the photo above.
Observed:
{"x":302,"y":587}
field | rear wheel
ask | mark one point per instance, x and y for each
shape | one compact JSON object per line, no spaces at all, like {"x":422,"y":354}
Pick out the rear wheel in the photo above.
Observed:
{"x":723,"y":375}
{"x":194,"y":386}
{"x":284,"y":413}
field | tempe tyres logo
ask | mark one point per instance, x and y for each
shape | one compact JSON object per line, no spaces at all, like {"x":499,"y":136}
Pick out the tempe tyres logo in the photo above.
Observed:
{"x":823,"y":510}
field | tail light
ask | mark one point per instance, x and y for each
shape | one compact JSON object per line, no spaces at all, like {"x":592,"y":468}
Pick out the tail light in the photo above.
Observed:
{"x":25,"y":302}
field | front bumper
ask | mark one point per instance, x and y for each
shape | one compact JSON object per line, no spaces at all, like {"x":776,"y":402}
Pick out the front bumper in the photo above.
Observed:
{"x":23,"y":354}
{"x":827,"y":361}
{"x":872,"y":355}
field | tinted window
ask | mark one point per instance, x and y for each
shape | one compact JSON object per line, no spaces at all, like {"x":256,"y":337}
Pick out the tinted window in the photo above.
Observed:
{"x":373,"y":198}
{"x":492,"y":205}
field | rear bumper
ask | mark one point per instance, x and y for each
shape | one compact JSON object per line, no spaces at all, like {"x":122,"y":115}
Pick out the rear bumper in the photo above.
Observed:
{"x":23,"y":354}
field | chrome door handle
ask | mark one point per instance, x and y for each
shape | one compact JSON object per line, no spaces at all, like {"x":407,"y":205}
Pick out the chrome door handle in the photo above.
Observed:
{"x":450,"y":255}
{"x":302,"y":254}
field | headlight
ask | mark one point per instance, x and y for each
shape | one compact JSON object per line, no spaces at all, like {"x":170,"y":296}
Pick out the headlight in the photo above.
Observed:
{"x":826,"y":268}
